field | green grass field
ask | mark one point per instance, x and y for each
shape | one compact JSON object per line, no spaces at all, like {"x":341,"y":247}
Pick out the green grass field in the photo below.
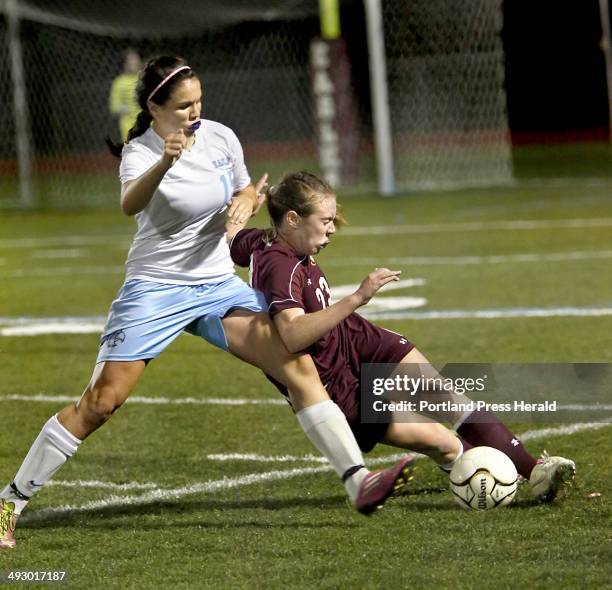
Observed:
{"x":229,"y":496}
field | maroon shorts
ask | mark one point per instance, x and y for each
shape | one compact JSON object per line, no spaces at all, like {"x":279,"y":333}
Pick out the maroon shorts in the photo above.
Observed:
{"x":368,"y":343}
{"x":363,"y":342}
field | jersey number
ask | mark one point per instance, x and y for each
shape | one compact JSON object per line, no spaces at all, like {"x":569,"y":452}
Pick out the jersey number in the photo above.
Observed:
{"x":320,"y":292}
{"x":227,"y":180}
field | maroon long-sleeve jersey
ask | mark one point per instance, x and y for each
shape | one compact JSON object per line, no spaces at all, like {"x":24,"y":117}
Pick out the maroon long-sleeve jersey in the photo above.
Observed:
{"x":287,"y":281}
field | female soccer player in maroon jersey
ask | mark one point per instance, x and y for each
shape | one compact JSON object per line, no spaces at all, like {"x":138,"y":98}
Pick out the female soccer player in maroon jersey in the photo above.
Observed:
{"x":304,"y":216}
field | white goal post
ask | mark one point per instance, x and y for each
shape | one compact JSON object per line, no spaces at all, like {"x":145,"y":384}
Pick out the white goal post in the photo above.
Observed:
{"x":446,"y":94}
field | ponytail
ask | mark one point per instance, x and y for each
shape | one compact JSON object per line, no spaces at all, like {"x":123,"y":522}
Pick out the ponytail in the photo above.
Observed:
{"x":143,"y":122}
{"x":115,"y":148}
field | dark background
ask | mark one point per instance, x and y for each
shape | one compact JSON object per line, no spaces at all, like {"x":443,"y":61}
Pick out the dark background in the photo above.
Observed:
{"x":555,"y":67}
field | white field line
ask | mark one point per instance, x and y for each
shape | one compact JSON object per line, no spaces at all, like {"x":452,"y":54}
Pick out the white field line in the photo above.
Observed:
{"x":29,"y":320}
{"x":60,"y":271}
{"x":41,"y":328}
{"x":63,"y":271}
{"x":389,"y":304}
{"x":309,"y":458}
{"x":31,"y":326}
{"x":251,"y":457}
{"x":255,"y":458}
{"x":228,"y":401}
{"x":563,"y":430}
{"x":120,"y":241}
{"x":527,"y":435}
{"x":153,"y":401}
{"x":104,"y":485}
{"x":208,"y":487}
{"x":344,"y":290}
{"x":214,"y":486}
{"x":583,"y":407}
{"x":486,"y":314}
{"x":473,"y":260}
{"x":124,"y":240}
{"x":382,"y":308}
{"x":559,"y":181}
{"x":64,"y":253}
{"x":470,"y":226}
{"x":382,"y":302}
{"x":526,"y":208}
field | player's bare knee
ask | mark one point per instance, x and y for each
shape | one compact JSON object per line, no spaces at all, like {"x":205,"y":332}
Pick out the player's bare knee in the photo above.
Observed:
{"x":301,"y":365}
{"x":101,"y":401}
{"x":299,"y":373}
{"x":304,"y":384}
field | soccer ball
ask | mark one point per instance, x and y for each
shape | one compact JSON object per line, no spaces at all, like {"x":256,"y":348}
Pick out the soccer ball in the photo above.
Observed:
{"x":483,"y":478}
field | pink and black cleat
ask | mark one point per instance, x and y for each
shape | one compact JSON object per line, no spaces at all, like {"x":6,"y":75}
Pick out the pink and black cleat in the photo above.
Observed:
{"x":377,"y":486}
{"x":8,"y":519}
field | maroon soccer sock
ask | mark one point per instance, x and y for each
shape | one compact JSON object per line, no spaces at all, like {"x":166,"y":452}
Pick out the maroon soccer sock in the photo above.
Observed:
{"x":466,"y":445}
{"x":483,"y":428}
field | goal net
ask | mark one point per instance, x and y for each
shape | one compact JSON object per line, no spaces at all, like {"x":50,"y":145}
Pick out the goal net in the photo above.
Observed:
{"x":254,"y":72}
{"x":445,"y":68}
{"x":445,"y":77}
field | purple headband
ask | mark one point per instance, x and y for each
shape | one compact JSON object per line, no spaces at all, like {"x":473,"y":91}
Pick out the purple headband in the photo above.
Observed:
{"x":170,"y":75}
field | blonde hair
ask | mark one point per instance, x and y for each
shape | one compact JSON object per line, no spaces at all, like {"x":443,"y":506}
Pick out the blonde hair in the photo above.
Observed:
{"x":298,"y":191}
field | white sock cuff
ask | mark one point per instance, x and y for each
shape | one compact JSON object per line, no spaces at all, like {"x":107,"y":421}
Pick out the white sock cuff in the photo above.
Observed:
{"x":64,"y":440}
{"x":449,"y":466}
{"x":462,"y":419}
{"x":321,"y":412}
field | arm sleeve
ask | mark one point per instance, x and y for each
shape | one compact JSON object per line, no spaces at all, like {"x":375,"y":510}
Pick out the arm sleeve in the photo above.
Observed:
{"x":135,"y":160}
{"x":241,"y":174}
{"x":243,"y":244}
{"x":281,"y":280}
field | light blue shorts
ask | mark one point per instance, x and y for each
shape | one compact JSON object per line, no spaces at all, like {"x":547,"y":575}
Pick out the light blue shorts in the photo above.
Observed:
{"x":146,"y":316}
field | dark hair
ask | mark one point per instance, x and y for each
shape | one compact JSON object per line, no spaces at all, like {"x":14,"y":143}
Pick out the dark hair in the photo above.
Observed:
{"x":297,"y":191}
{"x":154,"y":71}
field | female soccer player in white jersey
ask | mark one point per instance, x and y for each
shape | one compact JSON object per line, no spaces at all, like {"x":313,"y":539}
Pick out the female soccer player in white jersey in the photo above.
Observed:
{"x":183,"y":177}
{"x":303,"y":213}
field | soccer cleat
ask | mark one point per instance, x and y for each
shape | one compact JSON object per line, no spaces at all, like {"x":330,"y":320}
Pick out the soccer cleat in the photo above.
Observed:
{"x":7,"y":524}
{"x":379,"y":485}
{"x":551,"y":476}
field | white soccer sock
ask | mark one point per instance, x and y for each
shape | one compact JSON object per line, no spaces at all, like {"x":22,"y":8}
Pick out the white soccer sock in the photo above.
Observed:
{"x":51,"y":449}
{"x":448,"y":467}
{"x":326,"y":427}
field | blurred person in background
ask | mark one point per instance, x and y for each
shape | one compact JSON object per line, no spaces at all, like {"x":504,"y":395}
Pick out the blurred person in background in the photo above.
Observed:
{"x":122,"y":101}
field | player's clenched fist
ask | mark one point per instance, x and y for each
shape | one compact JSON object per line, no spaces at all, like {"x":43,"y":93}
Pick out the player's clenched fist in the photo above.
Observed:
{"x":174,"y":144}
{"x":374,"y":281}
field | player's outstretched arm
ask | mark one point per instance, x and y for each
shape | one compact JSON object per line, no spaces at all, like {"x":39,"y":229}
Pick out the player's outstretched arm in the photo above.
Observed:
{"x":298,"y":330}
{"x":237,"y":216}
